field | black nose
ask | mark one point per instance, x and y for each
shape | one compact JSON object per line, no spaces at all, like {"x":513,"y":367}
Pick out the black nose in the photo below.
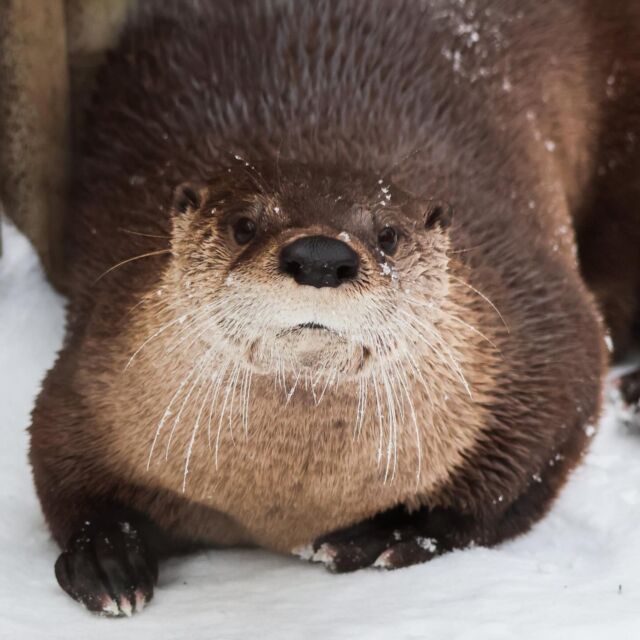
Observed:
{"x":319,"y":261}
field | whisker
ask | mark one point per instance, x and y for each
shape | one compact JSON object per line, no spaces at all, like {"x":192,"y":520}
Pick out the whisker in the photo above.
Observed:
{"x":293,"y":389}
{"x":181,"y":319}
{"x":454,"y":317}
{"x":143,"y":235}
{"x":484,"y":297}
{"x":230,"y":414}
{"x":176,"y":422}
{"x":469,"y":249}
{"x":362,"y":405}
{"x":404,"y":383}
{"x":379,"y":417}
{"x":246,"y":404}
{"x":222,"y":412}
{"x":476,"y":331}
{"x":193,"y":438}
{"x":391,"y":422}
{"x":214,"y":396}
{"x":441,"y":343}
{"x":167,"y":413}
{"x":120,"y":264}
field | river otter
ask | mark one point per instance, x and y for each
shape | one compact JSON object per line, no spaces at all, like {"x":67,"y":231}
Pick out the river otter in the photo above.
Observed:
{"x":325,"y":292}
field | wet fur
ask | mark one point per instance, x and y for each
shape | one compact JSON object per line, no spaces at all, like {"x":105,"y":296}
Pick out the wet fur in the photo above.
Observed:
{"x":511,"y":130}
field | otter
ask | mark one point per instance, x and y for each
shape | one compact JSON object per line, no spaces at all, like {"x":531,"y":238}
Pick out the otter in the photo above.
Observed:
{"x":341,"y":277}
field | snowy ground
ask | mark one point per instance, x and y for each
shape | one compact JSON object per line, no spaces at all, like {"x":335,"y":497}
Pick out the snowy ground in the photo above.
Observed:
{"x":577,"y":575}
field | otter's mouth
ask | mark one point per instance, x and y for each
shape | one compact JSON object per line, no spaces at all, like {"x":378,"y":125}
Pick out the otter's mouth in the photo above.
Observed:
{"x":308,"y":328}
{"x":313,"y":326}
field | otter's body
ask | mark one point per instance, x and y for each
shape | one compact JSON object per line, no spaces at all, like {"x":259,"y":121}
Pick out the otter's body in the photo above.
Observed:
{"x":204,"y":395}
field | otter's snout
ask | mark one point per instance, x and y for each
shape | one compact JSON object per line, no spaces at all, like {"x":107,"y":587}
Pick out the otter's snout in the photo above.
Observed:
{"x":319,"y":261}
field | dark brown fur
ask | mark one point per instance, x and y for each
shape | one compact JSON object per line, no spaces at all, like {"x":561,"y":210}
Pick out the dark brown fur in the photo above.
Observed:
{"x":507,"y":111}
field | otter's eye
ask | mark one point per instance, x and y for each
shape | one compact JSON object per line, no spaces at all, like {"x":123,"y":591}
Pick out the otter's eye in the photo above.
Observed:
{"x":388,"y":240}
{"x":244,"y":230}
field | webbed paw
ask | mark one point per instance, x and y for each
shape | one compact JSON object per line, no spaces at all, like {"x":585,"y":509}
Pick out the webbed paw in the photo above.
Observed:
{"x":108,"y":569}
{"x":374,"y":543}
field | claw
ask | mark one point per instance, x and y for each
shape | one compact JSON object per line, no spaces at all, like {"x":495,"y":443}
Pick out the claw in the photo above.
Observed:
{"x":305,"y":552}
{"x":109,"y":607}
{"x":384,"y":560}
{"x":326,"y":555}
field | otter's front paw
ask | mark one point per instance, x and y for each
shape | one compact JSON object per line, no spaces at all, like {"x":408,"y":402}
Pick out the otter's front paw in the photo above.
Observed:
{"x":368,"y":545}
{"x":108,"y":569}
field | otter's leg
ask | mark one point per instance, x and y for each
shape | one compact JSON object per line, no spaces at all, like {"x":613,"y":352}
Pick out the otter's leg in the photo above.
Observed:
{"x":109,"y":550}
{"x":394,"y":539}
{"x":108,"y":560}
{"x":400,"y":538}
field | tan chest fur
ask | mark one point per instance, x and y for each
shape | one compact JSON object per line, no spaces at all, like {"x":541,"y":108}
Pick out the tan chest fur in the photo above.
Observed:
{"x":284,"y":465}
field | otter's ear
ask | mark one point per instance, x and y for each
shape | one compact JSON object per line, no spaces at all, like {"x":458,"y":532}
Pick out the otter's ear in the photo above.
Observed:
{"x":439,"y":213}
{"x":188,"y":197}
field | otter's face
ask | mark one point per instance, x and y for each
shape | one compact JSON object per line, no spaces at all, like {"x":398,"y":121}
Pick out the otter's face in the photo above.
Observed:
{"x":303,"y":272}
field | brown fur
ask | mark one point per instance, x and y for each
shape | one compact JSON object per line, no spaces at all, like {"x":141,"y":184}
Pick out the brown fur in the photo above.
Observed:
{"x":48,"y":54}
{"x":510,"y":129}
{"x":34,"y":132}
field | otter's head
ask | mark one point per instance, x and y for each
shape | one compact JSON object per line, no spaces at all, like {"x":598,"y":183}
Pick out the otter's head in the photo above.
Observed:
{"x":299,"y":270}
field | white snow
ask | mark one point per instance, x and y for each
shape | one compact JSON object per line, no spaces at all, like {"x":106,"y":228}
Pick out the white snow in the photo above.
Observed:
{"x":576,"y":575}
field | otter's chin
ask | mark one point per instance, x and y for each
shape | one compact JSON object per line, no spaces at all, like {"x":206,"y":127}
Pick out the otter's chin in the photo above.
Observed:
{"x":309,"y":347}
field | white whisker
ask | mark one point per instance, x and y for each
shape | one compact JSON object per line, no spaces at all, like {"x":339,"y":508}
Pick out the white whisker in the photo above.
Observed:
{"x":193,"y":438}
{"x":167,"y":413}
{"x":176,"y":422}
{"x":484,"y":297}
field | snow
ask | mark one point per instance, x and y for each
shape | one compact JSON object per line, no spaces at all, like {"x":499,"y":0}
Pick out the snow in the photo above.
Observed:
{"x":576,"y":575}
